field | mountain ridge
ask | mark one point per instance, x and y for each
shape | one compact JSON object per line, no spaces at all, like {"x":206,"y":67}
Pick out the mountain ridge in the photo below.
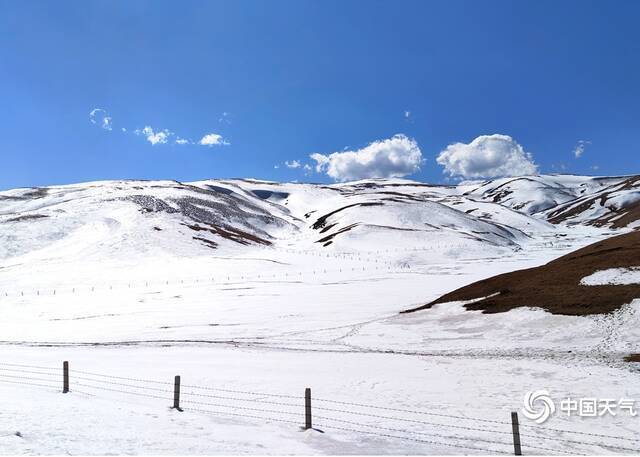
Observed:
{"x":147,"y":215}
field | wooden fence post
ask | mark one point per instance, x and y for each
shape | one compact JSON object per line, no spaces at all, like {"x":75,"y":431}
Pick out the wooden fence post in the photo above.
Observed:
{"x":307,"y":409}
{"x":176,"y":394}
{"x":517,"y":450}
{"x":65,"y":377}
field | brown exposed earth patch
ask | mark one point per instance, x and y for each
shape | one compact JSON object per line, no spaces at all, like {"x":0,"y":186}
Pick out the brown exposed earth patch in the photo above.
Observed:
{"x":211,"y":244}
{"x":330,"y":237}
{"x":555,"y":286}
{"x":632,"y":358}
{"x":322,"y":221}
{"x":230,"y":233}
{"x":27,"y":217}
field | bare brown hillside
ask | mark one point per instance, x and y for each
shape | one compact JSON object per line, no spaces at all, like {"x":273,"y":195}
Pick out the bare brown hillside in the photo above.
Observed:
{"x":555,"y":286}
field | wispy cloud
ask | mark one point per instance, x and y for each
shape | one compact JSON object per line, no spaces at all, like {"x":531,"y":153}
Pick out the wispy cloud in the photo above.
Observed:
{"x":580,"y":148}
{"x":101,"y":118}
{"x":292,"y":164}
{"x":225,"y":118}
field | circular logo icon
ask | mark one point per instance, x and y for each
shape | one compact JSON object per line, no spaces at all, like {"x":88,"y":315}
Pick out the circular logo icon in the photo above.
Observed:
{"x":538,"y":406}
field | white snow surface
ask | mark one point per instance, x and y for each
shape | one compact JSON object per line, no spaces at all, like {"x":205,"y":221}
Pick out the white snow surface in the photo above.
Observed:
{"x":618,"y":276}
{"x":109,"y":276}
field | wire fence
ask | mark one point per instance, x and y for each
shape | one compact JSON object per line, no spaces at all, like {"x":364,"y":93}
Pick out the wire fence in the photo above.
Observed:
{"x":369,"y":261}
{"x":212,"y":280}
{"x":436,"y":430}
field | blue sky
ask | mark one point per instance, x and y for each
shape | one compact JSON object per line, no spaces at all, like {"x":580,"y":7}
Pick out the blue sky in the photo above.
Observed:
{"x":302,"y":77}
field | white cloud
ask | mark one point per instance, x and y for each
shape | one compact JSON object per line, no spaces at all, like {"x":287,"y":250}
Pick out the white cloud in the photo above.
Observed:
{"x":101,"y":118}
{"x":580,"y":147}
{"x":225,"y":118}
{"x":153,"y":137}
{"x":293,"y":164}
{"x":488,"y":156}
{"x":98,"y":116}
{"x":322,"y":161}
{"x":212,"y":139}
{"x":394,"y":157}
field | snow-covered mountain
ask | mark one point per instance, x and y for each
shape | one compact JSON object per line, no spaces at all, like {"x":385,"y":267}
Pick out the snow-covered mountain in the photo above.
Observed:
{"x":271,"y":287}
{"x":553,"y":194}
{"x":125,"y":218}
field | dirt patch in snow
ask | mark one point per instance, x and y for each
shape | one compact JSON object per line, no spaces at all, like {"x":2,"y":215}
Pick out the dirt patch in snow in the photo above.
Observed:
{"x":322,"y":221}
{"x":229,"y":233}
{"x":211,"y":244}
{"x":27,"y":217}
{"x":330,"y":237}
{"x":556,"y":286}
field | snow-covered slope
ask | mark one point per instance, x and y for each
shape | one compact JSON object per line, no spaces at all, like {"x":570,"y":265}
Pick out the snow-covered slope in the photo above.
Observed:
{"x":115,"y":221}
{"x":601,"y":201}
{"x":126,"y":218}
{"x":132,"y":218}
{"x":270,"y":287}
{"x":615,"y":205}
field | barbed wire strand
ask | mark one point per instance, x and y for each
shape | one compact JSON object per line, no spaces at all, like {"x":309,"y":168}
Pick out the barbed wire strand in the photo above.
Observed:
{"x":360,"y":424}
{"x":562,"y":440}
{"x":415,"y":421}
{"x":385,"y":408}
{"x":246,"y":408}
{"x":261,"y":394}
{"x":549,"y":451}
{"x":15,"y":370}
{"x":26,"y":377}
{"x":560,"y":430}
{"x":30,"y":384}
{"x":491,"y":451}
{"x":256,"y":400}
{"x":28,"y":366}
{"x":151,"y":381}
{"x":140,"y":394}
{"x":272,"y":419}
{"x":82,"y":378}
